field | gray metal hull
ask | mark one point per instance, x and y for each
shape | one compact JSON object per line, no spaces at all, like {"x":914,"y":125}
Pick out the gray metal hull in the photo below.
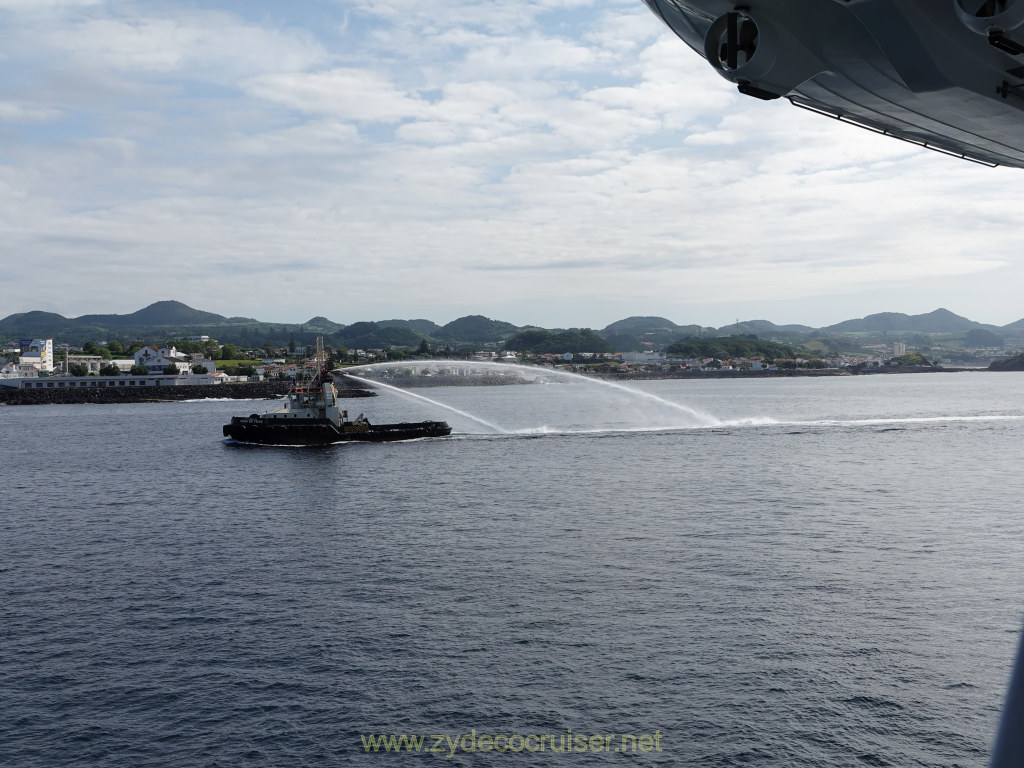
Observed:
{"x":925,"y":71}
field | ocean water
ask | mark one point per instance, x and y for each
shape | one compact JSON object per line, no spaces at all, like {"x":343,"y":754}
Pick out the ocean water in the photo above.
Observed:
{"x":787,"y":572}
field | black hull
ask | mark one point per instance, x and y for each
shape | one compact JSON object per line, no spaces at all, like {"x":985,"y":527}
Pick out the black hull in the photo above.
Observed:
{"x":255,"y":429}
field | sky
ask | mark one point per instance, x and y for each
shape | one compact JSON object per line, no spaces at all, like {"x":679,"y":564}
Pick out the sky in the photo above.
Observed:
{"x":562,"y":163}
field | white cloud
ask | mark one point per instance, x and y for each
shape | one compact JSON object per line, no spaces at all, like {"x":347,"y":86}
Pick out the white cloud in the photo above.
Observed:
{"x":570,"y":157}
{"x":351,"y":94}
{"x":216,"y":42}
{"x":47,"y":5}
{"x":12,"y":112}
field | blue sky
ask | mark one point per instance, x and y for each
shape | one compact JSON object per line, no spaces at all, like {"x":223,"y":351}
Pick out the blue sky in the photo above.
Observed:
{"x":556,"y":162}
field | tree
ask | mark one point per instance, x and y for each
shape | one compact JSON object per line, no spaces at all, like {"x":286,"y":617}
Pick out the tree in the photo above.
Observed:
{"x":424,"y":347}
{"x":139,"y":370}
{"x":230,"y":352}
{"x":172,"y":370}
{"x":197,"y":368}
{"x":78,"y":369}
{"x":109,"y":370}
{"x":115,"y":347}
{"x":92,"y":348}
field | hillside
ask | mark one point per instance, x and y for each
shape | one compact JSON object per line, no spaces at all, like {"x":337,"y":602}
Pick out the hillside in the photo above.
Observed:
{"x":476,"y":328}
{"x":938,"y":321}
{"x":645,"y":332}
{"x":170,"y":319}
{"x":159,"y":313}
{"x":422,"y":327}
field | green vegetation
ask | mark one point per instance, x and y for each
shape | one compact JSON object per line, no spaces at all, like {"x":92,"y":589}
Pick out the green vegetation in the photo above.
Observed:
{"x":367,"y":335}
{"x":1015,"y":363}
{"x":979,"y":337}
{"x":731,"y":346}
{"x":119,"y":336}
{"x":574,"y":340}
{"x":912,"y":358}
{"x":634,"y":334}
{"x":476,"y":329}
{"x":92,"y":348}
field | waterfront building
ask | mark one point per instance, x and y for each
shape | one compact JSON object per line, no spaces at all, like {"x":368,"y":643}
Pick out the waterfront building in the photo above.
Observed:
{"x":38,"y":353}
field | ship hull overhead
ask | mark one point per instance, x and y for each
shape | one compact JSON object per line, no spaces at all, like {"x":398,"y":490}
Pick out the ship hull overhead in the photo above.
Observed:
{"x":946,"y":74}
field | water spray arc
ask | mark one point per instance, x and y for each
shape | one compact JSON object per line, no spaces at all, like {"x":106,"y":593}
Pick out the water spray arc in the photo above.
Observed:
{"x":702,"y":419}
{"x":414,"y":396}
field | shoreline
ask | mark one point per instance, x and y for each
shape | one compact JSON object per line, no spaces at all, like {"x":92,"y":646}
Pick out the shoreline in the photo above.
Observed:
{"x":494,"y":380}
{"x":271,"y":390}
{"x":261,"y":390}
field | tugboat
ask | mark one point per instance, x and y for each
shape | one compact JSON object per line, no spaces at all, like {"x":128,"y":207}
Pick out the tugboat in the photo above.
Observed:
{"x":309,"y":415}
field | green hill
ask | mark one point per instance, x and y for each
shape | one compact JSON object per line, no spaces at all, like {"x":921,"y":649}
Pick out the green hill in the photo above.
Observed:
{"x":422,"y":327}
{"x":726,"y":347}
{"x":939,"y":321}
{"x":650,"y":331}
{"x":476,"y":328}
{"x":159,"y":313}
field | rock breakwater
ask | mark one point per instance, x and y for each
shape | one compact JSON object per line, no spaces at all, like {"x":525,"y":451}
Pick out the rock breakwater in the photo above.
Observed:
{"x":70,"y":395}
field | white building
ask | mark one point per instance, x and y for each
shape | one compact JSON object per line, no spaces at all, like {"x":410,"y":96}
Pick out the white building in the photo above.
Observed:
{"x":157,"y":359}
{"x":38,"y":353}
{"x":18,"y":371}
{"x":92,"y":362}
{"x":643,"y":357}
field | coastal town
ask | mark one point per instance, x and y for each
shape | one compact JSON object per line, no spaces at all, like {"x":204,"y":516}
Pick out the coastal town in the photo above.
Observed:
{"x":38,"y":364}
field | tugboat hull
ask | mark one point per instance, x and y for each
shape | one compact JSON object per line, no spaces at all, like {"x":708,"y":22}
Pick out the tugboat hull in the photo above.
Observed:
{"x":256,"y":429}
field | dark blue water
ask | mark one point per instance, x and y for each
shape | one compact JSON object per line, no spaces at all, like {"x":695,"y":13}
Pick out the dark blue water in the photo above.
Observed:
{"x":826,"y":573}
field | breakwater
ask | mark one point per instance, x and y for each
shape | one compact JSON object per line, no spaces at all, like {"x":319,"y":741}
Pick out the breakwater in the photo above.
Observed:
{"x":475,"y":380}
{"x":72,"y":395}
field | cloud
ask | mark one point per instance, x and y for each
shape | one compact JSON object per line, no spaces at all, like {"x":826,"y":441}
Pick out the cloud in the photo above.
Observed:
{"x":572,"y":158}
{"x":218,"y":43}
{"x":12,"y":112}
{"x":352,"y":94}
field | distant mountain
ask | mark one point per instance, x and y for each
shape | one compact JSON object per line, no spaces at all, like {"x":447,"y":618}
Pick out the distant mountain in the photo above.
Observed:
{"x":638,"y":325}
{"x":624,"y":342}
{"x":164,"y":320}
{"x":767,"y":328}
{"x":369,"y":335}
{"x":159,"y":313}
{"x":422,"y":327}
{"x":158,"y":322}
{"x":474,"y":328}
{"x":322,"y":324}
{"x":939,"y":321}
{"x":649,"y":331}
{"x":1015,"y":328}
{"x":34,"y":325}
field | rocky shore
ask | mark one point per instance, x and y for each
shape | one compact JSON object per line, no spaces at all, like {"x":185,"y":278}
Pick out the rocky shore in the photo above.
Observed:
{"x":69,"y":395}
